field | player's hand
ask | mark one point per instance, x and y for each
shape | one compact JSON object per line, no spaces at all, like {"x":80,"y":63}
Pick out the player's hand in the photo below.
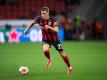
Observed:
{"x":47,"y":27}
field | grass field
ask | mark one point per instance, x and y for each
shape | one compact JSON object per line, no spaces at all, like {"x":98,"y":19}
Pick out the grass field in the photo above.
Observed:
{"x":89,"y":60}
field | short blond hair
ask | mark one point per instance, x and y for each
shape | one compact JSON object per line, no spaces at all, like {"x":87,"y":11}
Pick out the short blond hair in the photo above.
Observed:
{"x":45,"y":9}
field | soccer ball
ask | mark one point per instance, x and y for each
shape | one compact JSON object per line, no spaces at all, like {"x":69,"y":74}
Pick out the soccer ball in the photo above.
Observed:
{"x":23,"y":70}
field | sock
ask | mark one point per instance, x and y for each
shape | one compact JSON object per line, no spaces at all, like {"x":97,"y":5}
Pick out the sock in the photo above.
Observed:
{"x":66,"y":59}
{"x":47,"y":54}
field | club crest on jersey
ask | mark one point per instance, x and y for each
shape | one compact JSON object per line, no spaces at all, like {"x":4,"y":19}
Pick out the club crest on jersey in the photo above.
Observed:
{"x":49,"y":23}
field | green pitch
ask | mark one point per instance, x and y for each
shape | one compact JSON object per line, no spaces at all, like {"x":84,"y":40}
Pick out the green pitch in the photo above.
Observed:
{"x":89,"y":60}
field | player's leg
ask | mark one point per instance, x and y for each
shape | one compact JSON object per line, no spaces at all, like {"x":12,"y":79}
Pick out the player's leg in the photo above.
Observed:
{"x":46,"y":50}
{"x":67,"y":61}
{"x":60,"y":49}
{"x":47,"y":54}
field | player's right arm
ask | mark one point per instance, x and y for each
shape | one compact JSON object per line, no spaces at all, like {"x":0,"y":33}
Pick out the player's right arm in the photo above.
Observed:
{"x":32,"y":23}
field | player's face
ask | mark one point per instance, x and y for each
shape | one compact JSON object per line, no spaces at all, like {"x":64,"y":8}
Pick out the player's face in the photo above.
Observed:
{"x":44,"y":14}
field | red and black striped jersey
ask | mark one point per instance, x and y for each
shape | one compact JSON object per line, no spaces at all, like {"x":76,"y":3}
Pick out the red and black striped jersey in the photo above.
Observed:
{"x":47,"y":34}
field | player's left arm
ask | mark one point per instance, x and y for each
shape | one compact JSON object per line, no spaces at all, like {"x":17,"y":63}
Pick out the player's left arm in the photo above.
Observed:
{"x":32,"y":23}
{"x":54,"y":28}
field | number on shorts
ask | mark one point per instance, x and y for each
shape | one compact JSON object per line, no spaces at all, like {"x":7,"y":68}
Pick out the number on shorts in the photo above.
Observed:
{"x":59,"y":46}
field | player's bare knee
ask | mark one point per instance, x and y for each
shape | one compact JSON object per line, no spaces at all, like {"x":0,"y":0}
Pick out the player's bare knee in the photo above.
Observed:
{"x":45,"y":47}
{"x":45,"y":50}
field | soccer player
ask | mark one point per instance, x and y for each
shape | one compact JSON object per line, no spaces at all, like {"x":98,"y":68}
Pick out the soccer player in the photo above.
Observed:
{"x":49,"y":29}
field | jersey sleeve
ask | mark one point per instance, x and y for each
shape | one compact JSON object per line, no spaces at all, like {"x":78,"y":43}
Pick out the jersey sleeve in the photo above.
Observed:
{"x":37,"y":19}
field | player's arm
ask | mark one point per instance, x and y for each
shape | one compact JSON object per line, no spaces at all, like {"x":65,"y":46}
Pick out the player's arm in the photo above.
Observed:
{"x":54,"y":28}
{"x":32,"y":23}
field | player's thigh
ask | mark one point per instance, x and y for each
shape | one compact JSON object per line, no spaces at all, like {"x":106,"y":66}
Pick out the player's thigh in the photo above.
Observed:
{"x":46,"y":47}
{"x":58,"y":46}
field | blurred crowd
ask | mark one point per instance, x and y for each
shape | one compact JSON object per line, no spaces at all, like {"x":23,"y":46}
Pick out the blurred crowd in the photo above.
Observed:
{"x":78,"y":29}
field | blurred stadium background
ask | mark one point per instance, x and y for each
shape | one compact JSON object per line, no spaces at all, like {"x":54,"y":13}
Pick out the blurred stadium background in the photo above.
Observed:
{"x":82,"y":30}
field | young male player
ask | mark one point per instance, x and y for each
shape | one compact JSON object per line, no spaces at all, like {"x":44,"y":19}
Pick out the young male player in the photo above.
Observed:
{"x":49,"y":37}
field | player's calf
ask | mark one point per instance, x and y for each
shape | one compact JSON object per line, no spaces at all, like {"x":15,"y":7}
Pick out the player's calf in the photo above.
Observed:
{"x":67,"y":61}
{"x":47,"y":54}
